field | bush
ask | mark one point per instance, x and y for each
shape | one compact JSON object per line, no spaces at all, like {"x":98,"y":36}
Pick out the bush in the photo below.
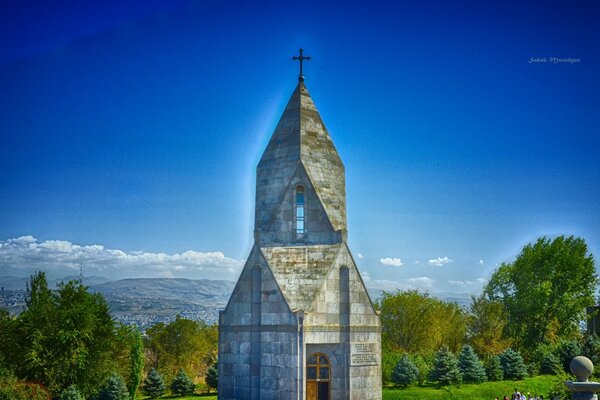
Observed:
{"x":114,"y":389}
{"x":405,"y":372}
{"x":591,"y":349}
{"x":567,"y":350}
{"x":550,"y":364}
{"x":493,"y":369}
{"x":389,"y":360}
{"x":182,"y":384}
{"x":445,"y":370}
{"x":471,"y":368}
{"x":212,"y":377}
{"x":71,"y":393}
{"x":513,"y":365}
{"x":423,"y":367}
{"x":154,"y":385}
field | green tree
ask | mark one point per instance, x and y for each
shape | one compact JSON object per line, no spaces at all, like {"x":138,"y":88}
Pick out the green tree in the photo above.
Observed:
{"x":405,"y":373}
{"x":413,"y":322}
{"x":187,"y":344}
{"x":567,"y":350}
{"x":114,"y":389}
{"x":487,"y":323}
{"x":591,"y":348}
{"x":513,"y":366}
{"x":154,"y":385}
{"x":471,"y":368}
{"x":445,"y":370}
{"x":182,"y":384}
{"x":71,"y":393}
{"x":136,"y":368}
{"x":545,"y":290}
{"x":212,"y":377}
{"x":493,"y":369}
{"x":62,"y":337}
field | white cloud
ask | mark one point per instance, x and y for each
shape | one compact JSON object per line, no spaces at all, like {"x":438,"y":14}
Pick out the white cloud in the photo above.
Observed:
{"x":63,"y":257}
{"x":438,"y":262}
{"x":481,"y":262}
{"x":467,"y":283}
{"x":421,"y":282}
{"x":393,"y":262}
{"x":360,"y":256}
{"x":417,"y":262}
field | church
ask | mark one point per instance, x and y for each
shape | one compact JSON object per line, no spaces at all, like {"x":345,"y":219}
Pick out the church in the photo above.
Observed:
{"x":300,"y":323}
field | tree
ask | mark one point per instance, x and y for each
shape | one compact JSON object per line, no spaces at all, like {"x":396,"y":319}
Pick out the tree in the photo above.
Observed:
{"x":567,"y":350}
{"x":445,"y":370}
{"x":413,"y":322}
{"x":182,"y":384}
{"x":471,"y":368}
{"x":513,"y":366}
{"x":154,"y":385}
{"x":405,"y":373}
{"x":212,"y":377}
{"x":493,"y":369}
{"x":114,"y":389}
{"x":591,"y":348}
{"x":487,"y":323}
{"x":550,"y":364}
{"x":71,"y":393}
{"x":136,"y":368}
{"x":187,"y":344}
{"x":545,"y":290}
{"x":62,"y":337}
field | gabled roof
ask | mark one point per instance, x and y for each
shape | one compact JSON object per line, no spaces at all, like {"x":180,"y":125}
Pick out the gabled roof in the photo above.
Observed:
{"x":301,"y":137}
{"x":300,"y":271}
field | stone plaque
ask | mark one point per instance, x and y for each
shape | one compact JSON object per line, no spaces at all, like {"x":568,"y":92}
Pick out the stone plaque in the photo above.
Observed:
{"x":363,"y":354}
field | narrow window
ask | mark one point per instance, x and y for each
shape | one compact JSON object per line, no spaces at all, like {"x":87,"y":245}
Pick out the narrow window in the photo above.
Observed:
{"x":300,"y":212}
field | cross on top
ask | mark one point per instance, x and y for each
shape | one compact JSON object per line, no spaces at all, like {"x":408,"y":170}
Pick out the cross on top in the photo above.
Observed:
{"x":301,"y":58}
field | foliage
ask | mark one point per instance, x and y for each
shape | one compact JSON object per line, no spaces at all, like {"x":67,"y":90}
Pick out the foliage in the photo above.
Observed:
{"x":486,"y":327}
{"x":182,"y":384}
{"x":389,"y":360}
{"x":545,"y":290}
{"x":512,"y":363}
{"x":405,"y":373}
{"x":549,"y":362}
{"x":471,"y":368}
{"x":212,"y":377}
{"x":136,"y":368}
{"x":187,"y":344}
{"x":71,"y":393}
{"x":567,"y":350}
{"x":63,"y":337}
{"x":493,"y":369}
{"x":559,"y":390}
{"x":13,"y":389}
{"x":114,"y":389}
{"x":154,"y":385}
{"x":591,"y":349}
{"x":414,"y":322}
{"x":445,"y":370}
{"x":423,"y":367}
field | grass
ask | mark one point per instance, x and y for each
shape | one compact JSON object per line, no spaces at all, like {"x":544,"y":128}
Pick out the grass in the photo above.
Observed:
{"x":539,"y":385}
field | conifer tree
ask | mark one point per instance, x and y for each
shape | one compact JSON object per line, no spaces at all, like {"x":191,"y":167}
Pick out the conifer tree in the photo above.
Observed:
{"x":445,"y":370}
{"x":212,"y":376}
{"x":493,"y":369}
{"x":154,"y":385}
{"x":550,"y":364}
{"x":471,"y":368}
{"x":182,"y":384}
{"x":114,"y":389}
{"x":70,"y":393}
{"x":405,"y":372}
{"x":136,"y":367}
{"x":512,"y":365}
{"x":591,"y":348}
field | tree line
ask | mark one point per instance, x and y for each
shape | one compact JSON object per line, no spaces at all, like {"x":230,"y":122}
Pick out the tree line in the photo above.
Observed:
{"x":65,"y":344}
{"x":527,"y":321}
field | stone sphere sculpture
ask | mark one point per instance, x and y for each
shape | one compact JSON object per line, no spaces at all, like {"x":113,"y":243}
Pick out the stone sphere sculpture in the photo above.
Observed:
{"x":582,"y":368}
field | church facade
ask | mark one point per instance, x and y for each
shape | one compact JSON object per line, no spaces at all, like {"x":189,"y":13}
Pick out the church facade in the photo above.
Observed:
{"x":300,"y":323}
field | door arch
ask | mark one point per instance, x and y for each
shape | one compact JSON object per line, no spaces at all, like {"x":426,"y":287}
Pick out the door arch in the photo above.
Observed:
{"x":318,"y":377}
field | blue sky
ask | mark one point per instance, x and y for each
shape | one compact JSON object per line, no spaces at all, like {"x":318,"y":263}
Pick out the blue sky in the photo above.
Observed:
{"x":131,"y":131}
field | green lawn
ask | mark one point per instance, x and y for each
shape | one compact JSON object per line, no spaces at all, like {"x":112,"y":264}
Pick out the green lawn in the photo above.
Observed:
{"x":540,"y":385}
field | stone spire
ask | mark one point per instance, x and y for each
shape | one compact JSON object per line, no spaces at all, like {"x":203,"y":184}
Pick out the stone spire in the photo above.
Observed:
{"x":300,"y":154}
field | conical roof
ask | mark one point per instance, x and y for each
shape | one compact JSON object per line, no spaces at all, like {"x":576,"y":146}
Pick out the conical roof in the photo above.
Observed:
{"x":301,"y":138}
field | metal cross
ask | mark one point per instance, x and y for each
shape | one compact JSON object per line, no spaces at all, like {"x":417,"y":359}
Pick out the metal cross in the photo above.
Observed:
{"x":301,"y":58}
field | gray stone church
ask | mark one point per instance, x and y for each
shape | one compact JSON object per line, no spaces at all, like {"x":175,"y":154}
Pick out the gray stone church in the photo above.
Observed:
{"x":300,"y":323}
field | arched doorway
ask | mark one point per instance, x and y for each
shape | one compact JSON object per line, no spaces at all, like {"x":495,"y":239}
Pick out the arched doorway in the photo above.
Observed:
{"x":318,"y":376}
